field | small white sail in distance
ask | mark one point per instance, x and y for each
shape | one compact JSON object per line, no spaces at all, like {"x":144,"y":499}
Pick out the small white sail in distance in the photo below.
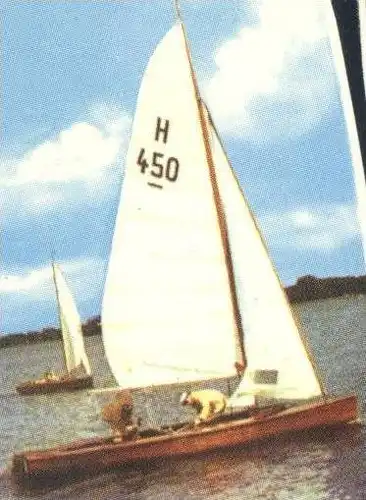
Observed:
{"x":72,"y":336}
{"x":278,"y":364}
{"x":167,"y":314}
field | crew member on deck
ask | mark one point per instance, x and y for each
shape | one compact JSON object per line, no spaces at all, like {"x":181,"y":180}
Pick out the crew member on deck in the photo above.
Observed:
{"x":207,"y":403}
{"x":118,"y":415}
{"x":49,"y":375}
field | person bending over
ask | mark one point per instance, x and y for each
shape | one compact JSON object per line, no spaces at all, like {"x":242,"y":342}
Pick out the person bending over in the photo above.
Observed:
{"x":206,"y":402}
{"x":118,"y":415}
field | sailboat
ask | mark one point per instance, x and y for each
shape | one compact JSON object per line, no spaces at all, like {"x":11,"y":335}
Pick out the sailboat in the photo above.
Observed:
{"x":78,"y":374}
{"x":191,"y":294}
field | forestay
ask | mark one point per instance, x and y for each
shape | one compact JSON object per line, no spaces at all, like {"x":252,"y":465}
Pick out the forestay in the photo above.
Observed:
{"x":75,"y":355}
{"x":167,"y":313}
{"x":277,"y":362}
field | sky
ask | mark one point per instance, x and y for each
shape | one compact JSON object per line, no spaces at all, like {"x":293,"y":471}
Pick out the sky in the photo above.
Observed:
{"x":71,"y":72}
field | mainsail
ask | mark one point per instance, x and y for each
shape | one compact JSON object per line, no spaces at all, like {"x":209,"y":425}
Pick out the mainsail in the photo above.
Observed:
{"x":167,"y":312}
{"x":75,"y":355}
{"x":278,"y":364}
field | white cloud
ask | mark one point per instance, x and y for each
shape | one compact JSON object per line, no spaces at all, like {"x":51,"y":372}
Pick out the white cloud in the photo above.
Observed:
{"x":275,"y":76}
{"x":40,"y":200}
{"x":324,"y":228}
{"x":78,"y":164}
{"x":80,"y":153}
{"x":303,"y":218}
{"x":37,"y":284}
{"x":24,"y":283}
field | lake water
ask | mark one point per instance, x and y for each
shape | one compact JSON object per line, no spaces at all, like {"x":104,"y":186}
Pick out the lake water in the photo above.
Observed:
{"x":312,"y":466}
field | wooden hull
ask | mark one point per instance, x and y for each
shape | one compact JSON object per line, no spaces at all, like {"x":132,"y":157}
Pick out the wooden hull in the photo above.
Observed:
{"x":64,"y":384}
{"x":98,"y":454}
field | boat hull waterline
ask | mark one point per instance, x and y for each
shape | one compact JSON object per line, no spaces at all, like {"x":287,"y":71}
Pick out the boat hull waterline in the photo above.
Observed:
{"x":65,"y":384}
{"x":101,"y":454}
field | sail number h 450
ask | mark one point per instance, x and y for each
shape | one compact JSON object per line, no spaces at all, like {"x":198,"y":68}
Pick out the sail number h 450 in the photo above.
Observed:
{"x":157,"y":165}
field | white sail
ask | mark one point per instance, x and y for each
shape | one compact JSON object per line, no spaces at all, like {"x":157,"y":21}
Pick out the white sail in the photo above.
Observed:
{"x":75,"y":355}
{"x":167,"y":313}
{"x":345,"y":95}
{"x":277,"y":362}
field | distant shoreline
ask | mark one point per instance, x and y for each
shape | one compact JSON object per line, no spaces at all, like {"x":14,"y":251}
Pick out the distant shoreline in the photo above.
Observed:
{"x":305,"y":289}
{"x":310,"y":287}
{"x":90,"y":327}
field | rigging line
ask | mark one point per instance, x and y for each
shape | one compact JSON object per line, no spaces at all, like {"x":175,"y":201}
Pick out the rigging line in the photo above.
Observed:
{"x":177,"y":10}
{"x":53,"y":255}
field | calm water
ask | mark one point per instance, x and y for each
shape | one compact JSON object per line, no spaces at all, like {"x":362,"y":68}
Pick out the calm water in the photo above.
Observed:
{"x":315,"y":466}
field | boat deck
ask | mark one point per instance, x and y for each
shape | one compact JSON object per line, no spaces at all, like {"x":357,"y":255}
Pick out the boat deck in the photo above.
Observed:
{"x":99,"y":454}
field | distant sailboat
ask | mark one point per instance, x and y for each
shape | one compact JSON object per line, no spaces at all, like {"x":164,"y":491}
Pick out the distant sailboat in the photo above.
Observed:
{"x":77,"y":364}
{"x":191,"y":293}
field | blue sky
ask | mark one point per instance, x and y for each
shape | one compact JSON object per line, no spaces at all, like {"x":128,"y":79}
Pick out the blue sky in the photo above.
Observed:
{"x":71,"y":73}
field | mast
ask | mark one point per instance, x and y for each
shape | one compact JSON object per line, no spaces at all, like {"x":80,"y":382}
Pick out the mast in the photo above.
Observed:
{"x":239,"y":342}
{"x":178,"y":12}
{"x":59,"y":310}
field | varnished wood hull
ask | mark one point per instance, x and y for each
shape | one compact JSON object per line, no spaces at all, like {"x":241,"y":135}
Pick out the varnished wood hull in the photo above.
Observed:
{"x":99,"y":454}
{"x":65,"y":384}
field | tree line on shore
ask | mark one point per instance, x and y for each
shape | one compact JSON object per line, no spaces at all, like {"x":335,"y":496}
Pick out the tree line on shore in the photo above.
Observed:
{"x":306,"y":288}
{"x":90,"y":327}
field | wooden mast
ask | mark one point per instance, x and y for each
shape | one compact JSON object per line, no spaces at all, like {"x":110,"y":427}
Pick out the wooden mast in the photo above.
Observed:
{"x":239,"y":342}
